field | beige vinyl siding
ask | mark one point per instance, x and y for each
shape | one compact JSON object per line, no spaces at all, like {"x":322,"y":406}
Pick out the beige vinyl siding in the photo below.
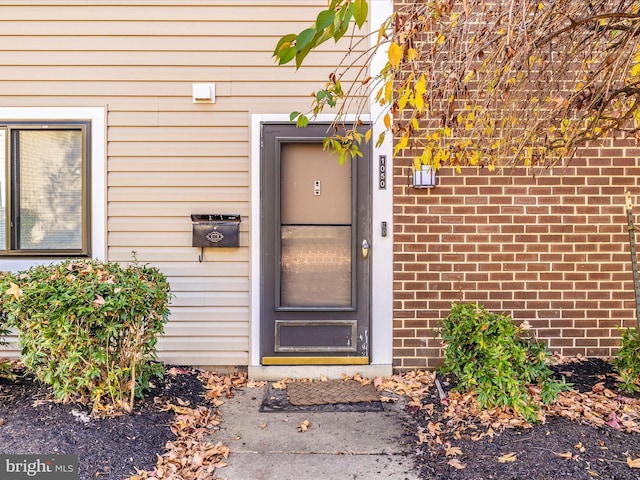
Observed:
{"x":166,"y":156}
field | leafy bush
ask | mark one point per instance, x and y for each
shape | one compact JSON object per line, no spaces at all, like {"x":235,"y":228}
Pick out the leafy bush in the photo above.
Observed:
{"x":627,"y":363}
{"x":89,"y":329}
{"x":491,"y":356}
{"x":5,"y":366}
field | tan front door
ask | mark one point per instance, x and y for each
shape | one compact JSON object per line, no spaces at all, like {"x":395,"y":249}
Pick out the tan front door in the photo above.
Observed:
{"x":315,"y":224}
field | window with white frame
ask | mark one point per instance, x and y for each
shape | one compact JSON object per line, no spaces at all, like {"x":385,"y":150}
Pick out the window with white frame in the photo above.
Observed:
{"x":44,"y":188}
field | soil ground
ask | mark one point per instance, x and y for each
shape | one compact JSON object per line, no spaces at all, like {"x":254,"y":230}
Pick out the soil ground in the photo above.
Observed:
{"x":107,"y":448}
{"x":559,"y":448}
{"x":112,"y":448}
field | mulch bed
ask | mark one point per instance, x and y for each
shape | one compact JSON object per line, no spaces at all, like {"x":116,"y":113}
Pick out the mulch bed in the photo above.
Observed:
{"x":558,"y":448}
{"x":108,"y":448}
{"x":446,"y":447}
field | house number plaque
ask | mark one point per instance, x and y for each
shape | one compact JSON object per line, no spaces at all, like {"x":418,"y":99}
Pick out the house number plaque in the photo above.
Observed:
{"x":382,"y":172}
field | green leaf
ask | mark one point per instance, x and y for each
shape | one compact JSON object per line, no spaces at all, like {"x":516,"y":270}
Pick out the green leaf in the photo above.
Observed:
{"x":360,"y":12}
{"x":331,"y":101}
{"x":304,"y":37}
{"x":325,"y":18}
{"x":286,"y":56}
{"x":302,"y":122}
{"x":284,"y":40}
{"x":343,"y":18}
{"x":293,"y":116}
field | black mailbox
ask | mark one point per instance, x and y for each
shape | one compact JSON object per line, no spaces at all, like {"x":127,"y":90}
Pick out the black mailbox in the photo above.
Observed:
{"x":216,"y":230}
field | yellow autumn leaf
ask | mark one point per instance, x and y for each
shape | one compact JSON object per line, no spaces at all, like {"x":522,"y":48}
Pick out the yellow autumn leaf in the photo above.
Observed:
{"x":468,"y":77}
{"x":14,"y":291}
{"x":382,"y":32}
{"x":388,"y":90}
{"x":404,"y":98}
{"x":420,"y":90}
{"x":412,"y":54}
{"x":508,"y":458}
{"x":633,"y":463}
{"x":387,"y":121}
{"x":401,"y":144}
{"x":395,"y":54}
{"x":304,"y":426}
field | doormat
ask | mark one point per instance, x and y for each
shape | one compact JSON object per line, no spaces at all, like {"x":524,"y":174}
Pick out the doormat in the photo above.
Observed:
{"x":330,"y":396}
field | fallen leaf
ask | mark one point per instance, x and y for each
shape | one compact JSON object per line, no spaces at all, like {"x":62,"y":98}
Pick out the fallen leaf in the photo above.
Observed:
{"x":423,"y":437}
{"x":633,"y":463}
{"x":598,"y":387}
{"x":175,"y":371}
{"x":613,"y":421}
{"x":453,"y":451}
{"x":263,"y":426}
{"x":434,"y":427}
{"x":281,"y":385}
{"x":457,"y":464}
{"x":567,"y":456}
{"x":579,"y":447}
{"x":304,"y":426}
{"x":323,"y":378}
{"x":508,"y":458}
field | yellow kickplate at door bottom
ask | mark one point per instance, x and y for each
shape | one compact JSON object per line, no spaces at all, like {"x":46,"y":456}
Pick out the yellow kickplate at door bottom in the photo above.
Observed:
{"x":315,"y":360}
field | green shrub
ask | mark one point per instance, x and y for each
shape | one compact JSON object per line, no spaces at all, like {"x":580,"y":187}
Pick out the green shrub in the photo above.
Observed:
{"x":627,"y":363}
{"x":491,"y":356}
{"x":89,"y":329}
{"x":5,"y":365}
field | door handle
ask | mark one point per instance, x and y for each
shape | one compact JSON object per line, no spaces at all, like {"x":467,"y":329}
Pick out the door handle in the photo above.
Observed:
{"x":365,"y":249}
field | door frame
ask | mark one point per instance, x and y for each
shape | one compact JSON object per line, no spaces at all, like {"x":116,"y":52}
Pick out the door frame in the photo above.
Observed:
{"x":381,"y":341}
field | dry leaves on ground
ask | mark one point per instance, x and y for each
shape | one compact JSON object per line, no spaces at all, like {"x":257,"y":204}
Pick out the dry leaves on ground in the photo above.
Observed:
{"x":189,"y":456}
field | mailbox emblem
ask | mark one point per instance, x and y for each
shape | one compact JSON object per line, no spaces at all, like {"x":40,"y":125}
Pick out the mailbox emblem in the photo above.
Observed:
{"x":215,"y":236}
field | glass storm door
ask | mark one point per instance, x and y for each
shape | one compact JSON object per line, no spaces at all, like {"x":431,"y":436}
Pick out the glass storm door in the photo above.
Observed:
{"x":315,"y":223}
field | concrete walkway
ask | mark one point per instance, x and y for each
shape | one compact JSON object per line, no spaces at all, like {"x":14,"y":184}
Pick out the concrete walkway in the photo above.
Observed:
{"x":337,"y":446}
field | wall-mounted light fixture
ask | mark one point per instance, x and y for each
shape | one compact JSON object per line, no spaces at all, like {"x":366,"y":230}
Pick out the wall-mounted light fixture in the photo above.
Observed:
{"x":422,"y":177}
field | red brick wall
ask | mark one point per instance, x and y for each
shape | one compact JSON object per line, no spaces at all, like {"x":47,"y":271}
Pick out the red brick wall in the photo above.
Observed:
{"x":552,"y":249}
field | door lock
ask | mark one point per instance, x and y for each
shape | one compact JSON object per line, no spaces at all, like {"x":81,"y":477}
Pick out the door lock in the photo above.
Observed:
{"x":365,"y":249}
